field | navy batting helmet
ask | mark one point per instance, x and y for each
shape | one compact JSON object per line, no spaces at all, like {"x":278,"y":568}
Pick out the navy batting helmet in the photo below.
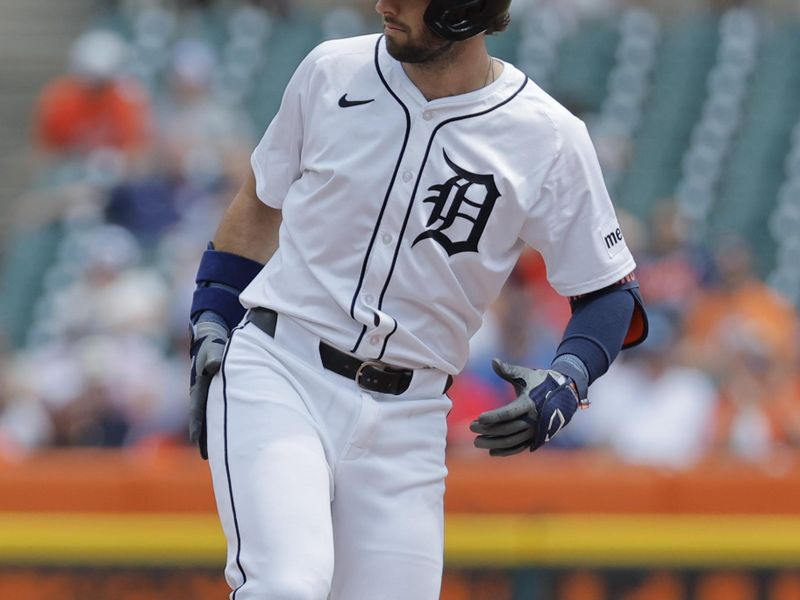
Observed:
{"x":457,"y":20}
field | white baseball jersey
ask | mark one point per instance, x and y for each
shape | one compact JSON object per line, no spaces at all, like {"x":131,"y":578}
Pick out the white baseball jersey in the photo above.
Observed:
{"x":402,"y":217}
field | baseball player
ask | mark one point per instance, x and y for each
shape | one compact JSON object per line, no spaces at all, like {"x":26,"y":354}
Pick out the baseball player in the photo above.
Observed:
{"x":389,"y":200}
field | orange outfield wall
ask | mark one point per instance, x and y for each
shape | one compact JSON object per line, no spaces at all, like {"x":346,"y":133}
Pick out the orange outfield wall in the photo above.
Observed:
{"x":166,"y":480}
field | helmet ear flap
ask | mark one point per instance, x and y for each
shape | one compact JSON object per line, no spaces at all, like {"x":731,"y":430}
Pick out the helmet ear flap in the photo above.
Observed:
{"x":449,"y":19}
{"x":458,"y":20}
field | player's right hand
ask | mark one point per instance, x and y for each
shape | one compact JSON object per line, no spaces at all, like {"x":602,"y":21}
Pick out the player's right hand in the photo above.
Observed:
{"x":208,"y":345}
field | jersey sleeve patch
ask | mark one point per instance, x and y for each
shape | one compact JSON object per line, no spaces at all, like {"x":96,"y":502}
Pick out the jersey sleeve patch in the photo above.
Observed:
{"x":611,"y":237}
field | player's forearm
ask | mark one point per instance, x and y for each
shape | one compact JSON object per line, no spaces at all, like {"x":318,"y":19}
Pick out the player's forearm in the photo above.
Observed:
{"x":249,"y":227}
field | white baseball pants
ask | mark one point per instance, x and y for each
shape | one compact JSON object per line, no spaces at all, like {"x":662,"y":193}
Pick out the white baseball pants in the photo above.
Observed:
{"x":324,"y":490}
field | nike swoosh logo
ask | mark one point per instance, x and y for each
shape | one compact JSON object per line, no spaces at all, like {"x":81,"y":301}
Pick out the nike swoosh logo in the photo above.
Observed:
{"x":561,"y":422}
{"x":345,"y":103}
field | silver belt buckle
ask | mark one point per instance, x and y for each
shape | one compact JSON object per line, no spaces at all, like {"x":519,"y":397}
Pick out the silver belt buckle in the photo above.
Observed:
{"x":368,"y":363}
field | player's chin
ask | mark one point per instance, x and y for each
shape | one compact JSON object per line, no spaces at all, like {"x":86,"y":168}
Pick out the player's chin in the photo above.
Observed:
{"x":396,"y":48}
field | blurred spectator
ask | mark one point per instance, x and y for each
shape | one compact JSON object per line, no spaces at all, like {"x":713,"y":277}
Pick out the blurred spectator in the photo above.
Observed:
{"x":671,"y":271}
{"x":153,"y":201}
{"x":759,"y":413}
{"x":651,"y":410}
{"x":97,"y":390}
{"x":102,"y":377}
{"x":113,"y":295}
{"x":145,"y":204}
{"x":24,"y":423}
{"x":202,"y":138}
{"x":93,"y":106}
{"x":200,"y":156}
{"x":746,"y":335}
{"x":739,"y":306}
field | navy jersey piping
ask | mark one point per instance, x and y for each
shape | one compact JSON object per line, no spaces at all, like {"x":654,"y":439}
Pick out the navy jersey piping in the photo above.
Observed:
{"x":228,"y":468}
{"x":414,"y":195}
{"x":386,"y":197}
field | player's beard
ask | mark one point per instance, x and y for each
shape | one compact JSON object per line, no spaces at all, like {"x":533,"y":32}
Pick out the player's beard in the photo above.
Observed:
{"x":430,"y":48}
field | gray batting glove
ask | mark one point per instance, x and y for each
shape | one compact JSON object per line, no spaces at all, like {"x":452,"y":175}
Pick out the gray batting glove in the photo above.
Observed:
{"x":545,"y":403}
{"x":208,"y":345}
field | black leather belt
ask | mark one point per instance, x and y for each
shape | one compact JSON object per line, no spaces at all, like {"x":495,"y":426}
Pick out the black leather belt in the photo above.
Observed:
{"x":371,"y":375}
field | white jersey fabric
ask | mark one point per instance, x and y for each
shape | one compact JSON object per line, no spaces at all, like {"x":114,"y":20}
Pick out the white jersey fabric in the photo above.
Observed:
{"x":402,"y":218}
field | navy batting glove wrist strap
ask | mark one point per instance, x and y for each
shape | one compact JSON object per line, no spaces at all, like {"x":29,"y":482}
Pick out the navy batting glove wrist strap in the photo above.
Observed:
{"x":573,"y":367}
{"x":219,"y":300}
{"x":221,"y":277}
{"x":226,"y":268}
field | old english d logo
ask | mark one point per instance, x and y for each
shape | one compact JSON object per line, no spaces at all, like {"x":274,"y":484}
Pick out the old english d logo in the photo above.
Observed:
{"x":461,"y":207}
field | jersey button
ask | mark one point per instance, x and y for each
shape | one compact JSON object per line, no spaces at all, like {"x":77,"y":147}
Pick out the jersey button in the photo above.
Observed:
{"x":386,"y":238}
{"x":427,"y":115}
{"x":368,"y":298}
{"x":374,"y":340}
{"x":408,"y":176}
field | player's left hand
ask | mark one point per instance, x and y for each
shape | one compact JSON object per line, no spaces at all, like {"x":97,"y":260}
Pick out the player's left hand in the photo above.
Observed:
{"x":545,"y":403}
{"x":208,"y":345}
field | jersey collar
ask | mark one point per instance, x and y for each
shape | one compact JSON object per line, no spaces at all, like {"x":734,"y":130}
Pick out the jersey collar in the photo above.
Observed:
{"x":505,"y":85}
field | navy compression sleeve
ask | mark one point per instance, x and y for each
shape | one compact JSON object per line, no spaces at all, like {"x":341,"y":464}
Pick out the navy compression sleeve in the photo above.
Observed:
{"x":594,"y":335}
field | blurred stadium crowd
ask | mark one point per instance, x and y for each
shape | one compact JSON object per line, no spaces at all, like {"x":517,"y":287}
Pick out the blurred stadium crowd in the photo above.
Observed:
{"x":144,"y":139}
